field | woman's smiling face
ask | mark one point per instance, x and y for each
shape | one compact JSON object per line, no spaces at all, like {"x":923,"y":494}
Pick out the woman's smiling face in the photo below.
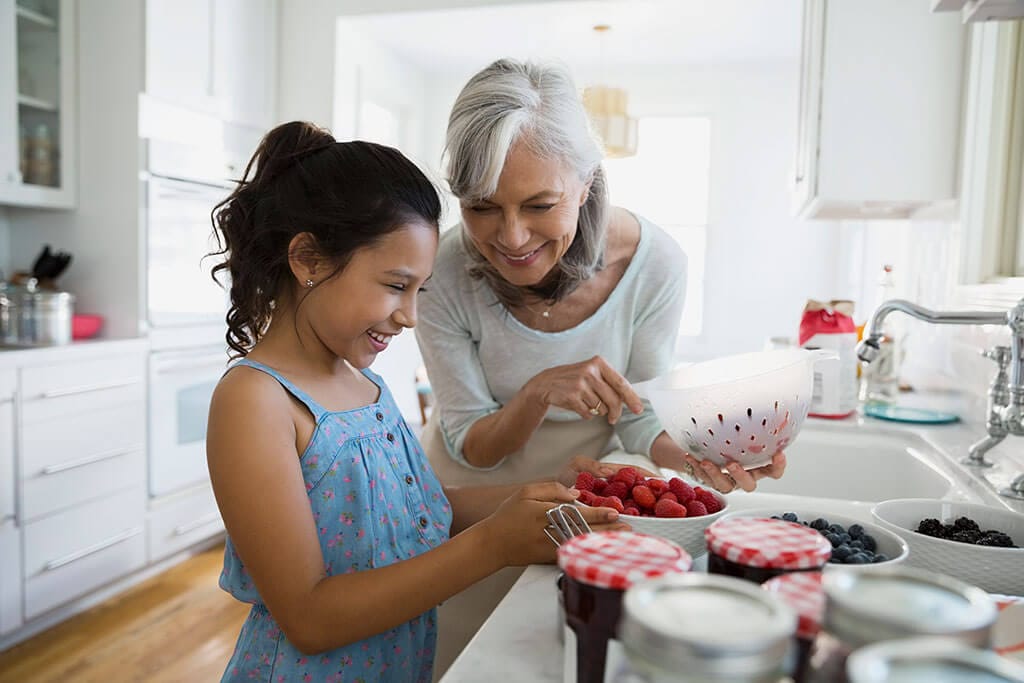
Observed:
{"x":527,"y":225}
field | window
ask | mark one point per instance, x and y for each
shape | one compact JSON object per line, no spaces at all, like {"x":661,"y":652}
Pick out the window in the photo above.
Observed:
{"x":668,"y":182}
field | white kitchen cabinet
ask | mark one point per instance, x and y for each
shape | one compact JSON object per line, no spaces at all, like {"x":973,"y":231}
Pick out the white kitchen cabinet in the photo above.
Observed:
{"x":228,"y":70}
{"x":879,"y":110}
{"x":182,"y":520}
{"x":7,"y":390}
{"x":37,"y":103}
{"x":10,"y":578}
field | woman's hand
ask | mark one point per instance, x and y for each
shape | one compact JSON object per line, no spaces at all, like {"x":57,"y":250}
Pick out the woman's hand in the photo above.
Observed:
{"x":733,"y":476}
{"x":516,"y":529}
{"x":568,"y":474}
{"x":590,"y":389}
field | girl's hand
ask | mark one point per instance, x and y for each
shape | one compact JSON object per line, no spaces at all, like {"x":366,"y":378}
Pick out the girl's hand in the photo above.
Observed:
{"x":516,"y":529}
{"x":567,"y":475}
{"x":733,"y":476}
{"x":591,"y":388}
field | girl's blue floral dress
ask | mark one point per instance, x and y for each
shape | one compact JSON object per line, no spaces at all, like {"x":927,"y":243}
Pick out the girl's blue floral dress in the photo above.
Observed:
{"x":376,"y":501}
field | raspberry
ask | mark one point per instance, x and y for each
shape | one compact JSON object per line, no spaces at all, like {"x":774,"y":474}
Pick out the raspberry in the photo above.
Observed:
{"x":585,"y":481}
{"x":618,"y":489}
{"x":708,"y":498}
{"x":599,"y":485}
{"x":627,"y":475}
{"x":684,"y":492}
{"x":668,"y":495}
{"x":669,"y":508}
{"x":695,"y":508}
{"x":644,"y":497}
{"x":657,"y":486}
{"x":630,"y":510}
{"x":587,"y":497}
{"x":612,"y":502}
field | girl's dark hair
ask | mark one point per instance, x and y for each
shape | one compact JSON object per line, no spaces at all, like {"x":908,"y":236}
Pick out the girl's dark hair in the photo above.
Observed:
{"x":347,"y":195}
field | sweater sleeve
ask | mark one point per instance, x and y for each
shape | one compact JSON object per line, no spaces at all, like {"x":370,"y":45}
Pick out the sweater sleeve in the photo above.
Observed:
{"x":450,"y":354}
{"x":654,"y":335}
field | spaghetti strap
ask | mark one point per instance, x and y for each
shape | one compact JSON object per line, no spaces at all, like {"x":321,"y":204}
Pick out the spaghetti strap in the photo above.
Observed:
{"x":315,"y":408}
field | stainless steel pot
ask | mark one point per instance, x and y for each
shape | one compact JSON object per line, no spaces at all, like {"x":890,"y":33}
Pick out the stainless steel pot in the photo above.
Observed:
{"x":30,"y":316}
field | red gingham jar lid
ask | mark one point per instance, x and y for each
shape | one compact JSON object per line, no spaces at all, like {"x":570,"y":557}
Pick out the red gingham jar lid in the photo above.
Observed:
{"x":767,"y":543}
{"x":618,"y":559}
{"x":803,"y":592}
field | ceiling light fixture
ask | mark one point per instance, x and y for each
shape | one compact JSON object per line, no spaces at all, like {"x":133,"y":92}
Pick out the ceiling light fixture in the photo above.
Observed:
{"x":606,"y":107}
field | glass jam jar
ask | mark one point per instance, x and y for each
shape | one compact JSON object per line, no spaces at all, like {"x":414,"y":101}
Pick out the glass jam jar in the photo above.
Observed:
{"x":930,"y":659}
{"x":703,"y":629}
{"x":758,"y":549}
{"x":598,"y":568}
{"x":802,"y":591}
{"x":866,"y":607}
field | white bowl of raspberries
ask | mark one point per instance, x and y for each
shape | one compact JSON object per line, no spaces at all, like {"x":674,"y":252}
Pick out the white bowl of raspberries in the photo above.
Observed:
{"x":669,"y":508}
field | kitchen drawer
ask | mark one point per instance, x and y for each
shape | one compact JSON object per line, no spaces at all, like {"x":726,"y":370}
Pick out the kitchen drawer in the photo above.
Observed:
{"x":76,"y":551}
{"x":10,"y":578}
{"x":7,"y":480}
{"x":181,"y":521}
{"x":88,"y":449}
{"x":83,"y":377}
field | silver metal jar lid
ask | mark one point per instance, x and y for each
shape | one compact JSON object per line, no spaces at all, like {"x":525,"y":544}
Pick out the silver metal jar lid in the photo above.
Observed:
{"x":710,"y":627}
{"x":900,"y":602}
{"x":930,"y":659}
{"x":30,"y":294}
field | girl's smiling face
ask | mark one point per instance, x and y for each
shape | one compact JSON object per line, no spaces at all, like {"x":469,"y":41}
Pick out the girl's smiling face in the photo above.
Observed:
{"x":356,"y":313}
{"x":530,"y":221}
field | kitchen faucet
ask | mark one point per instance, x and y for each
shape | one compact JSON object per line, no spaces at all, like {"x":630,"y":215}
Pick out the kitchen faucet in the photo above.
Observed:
{"x":1005,"y":394}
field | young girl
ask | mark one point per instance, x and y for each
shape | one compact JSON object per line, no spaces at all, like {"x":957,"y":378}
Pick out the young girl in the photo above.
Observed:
{"x":338,"y":530}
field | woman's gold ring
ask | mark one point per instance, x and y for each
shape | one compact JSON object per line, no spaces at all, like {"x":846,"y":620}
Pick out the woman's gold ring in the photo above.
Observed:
{"x":596,"y":410}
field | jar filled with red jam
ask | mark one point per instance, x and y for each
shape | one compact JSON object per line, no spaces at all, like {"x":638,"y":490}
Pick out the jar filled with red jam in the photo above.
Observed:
{"x":598,"y":569}
{"x":758,"y":549}
{"x":803,"y":593}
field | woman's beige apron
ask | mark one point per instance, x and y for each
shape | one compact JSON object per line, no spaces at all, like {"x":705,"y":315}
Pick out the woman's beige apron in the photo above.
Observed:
{"x":547,"y":451}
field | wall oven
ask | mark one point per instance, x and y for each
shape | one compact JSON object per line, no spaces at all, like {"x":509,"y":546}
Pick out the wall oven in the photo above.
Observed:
{"x":181,"y":383}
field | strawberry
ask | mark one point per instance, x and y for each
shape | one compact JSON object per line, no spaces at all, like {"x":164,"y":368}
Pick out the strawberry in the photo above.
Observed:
{"x":669,"y":508}
{"x":668,"y":495}
{"x":684,"y":492}
{"x":695,"y":508}
{"x":644,"y":497}
{"x":585,"y":481}
{"x":627,"y":475}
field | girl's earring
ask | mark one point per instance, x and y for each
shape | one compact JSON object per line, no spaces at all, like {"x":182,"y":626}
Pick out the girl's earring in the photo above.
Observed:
{"x":309,"y":283}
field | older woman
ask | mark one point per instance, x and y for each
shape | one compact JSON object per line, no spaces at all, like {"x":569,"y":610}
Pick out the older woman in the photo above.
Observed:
{"x":546,"y":302}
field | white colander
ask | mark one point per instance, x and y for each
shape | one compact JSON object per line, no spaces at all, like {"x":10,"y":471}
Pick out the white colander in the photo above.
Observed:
{"x":743,"y":408}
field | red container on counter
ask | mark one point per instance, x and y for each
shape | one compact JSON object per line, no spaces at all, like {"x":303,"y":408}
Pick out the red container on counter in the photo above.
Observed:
{"x":803,"y":592}
{"x":758,"y":549}
{"x":598,"y":568}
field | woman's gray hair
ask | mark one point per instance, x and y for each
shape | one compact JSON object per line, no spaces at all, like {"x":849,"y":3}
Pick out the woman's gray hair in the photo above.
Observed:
{"x":537,"y":105}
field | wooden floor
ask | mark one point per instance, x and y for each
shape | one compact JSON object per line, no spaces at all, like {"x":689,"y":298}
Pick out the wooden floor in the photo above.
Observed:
{"x":178,"y":626}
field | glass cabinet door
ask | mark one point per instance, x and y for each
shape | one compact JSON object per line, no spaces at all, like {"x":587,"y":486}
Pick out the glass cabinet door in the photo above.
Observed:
{"x":38,"y":94}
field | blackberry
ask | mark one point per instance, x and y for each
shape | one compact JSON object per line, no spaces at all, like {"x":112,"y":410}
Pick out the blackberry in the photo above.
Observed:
{"x":996,"y":539}
{"x":931,"y":527}
{"x":966,"y":524}
{"x":965,"y":537}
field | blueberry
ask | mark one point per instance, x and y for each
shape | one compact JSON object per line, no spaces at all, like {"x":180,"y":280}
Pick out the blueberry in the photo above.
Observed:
{"x":820,"y":524}
{"x":834,"y":540}
{"x":856,"y":530}
{"x":869,"y":542}
{"x":845,"y":537}
{"x":842,"y":552}
{"x":790,"y":516}
{"x":776,"y":517}
{"x":857,"y":558}
{"x":880,"y":557}
{"x":856,"y":543}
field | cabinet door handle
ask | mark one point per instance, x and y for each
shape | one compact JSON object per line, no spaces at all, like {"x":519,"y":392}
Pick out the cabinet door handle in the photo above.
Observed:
{"x":7,"y":518}
{"x":86,"y":388}
{"x":92,"y":549}
{"x":4,"y":400}
{"x":82,"y":462}
{"x":201,"y":522}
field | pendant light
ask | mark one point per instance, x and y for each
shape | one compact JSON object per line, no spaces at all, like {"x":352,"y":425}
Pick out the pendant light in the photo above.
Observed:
{"x":606,"y":107}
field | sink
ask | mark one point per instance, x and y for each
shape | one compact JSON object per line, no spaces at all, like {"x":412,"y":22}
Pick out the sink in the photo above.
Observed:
{"x":859,"y":465}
